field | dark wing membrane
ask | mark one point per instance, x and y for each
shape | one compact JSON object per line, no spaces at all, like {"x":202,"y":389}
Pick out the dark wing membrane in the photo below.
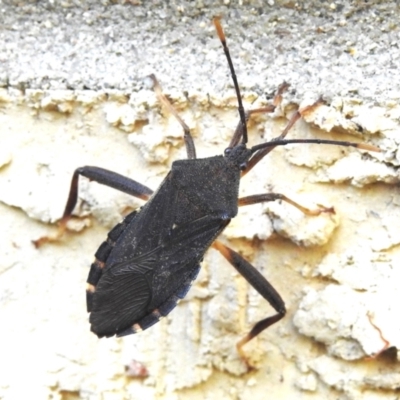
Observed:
{"x":121,"y":297}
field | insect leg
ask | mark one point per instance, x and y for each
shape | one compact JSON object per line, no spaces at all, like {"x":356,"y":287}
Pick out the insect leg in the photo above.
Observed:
{"x":187,"y":137}
{"x":267,"y":109}
{"x":104,"y":177}
{"x":107,"y":178}
{"x":259,"y":283}
{"x":260,"y":154}
{"x":260,"y":198}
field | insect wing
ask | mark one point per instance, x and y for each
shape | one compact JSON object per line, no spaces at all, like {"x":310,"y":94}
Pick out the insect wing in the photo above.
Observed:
{"x":121,"y":296}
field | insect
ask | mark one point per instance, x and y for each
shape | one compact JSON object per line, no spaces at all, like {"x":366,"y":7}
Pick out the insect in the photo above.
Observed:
{"x":149,"y":260}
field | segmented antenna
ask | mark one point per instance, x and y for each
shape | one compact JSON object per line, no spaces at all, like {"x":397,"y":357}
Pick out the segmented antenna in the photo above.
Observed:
{"x":242,"y":114}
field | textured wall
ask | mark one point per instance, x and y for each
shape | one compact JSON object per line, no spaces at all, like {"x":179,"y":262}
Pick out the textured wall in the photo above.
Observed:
{"x":74,"y":93}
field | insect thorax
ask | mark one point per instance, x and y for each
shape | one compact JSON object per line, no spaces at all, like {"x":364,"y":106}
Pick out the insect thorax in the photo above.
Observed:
{"x":209,"y":183}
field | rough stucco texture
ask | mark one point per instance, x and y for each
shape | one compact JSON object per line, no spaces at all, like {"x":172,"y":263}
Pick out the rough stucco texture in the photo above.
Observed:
{"x":338,"y":273}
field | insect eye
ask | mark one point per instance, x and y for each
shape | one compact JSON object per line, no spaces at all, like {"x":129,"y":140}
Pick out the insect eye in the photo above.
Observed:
{"x":243,"y":166}
{"x":228,"y":151}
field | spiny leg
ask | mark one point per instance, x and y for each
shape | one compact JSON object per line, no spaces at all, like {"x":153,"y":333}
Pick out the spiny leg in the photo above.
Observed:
{"x":187,"y":137}
{"x":104,"y":177}
{"x":259,"y":283}
{"x":261,"y":198}
{"x":259,"y":155}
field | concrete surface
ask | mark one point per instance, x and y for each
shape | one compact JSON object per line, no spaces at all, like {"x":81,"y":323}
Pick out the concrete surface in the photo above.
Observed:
{"x":74,"y":92}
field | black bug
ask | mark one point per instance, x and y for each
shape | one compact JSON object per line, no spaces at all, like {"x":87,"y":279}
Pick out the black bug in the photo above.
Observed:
{"x":149,"y":260}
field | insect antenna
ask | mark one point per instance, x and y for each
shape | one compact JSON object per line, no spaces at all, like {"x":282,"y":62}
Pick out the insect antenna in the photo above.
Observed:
{"x":242,"y":113}
{"x":274,"y":143}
